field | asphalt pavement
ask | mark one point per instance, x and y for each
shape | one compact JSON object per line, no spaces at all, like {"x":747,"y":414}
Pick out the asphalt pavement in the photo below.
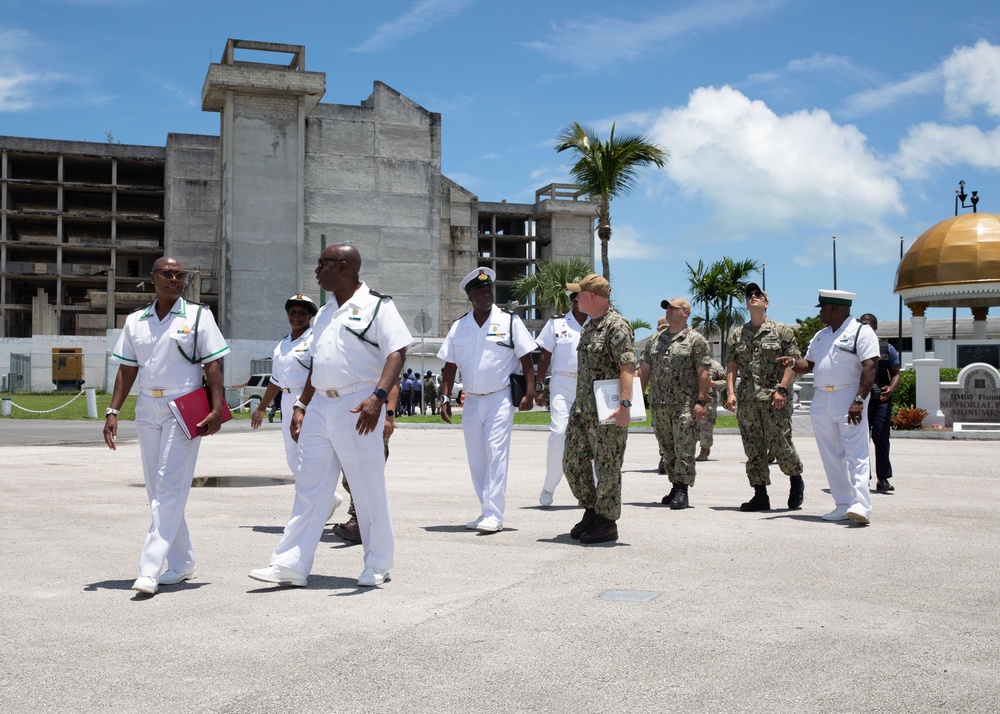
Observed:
{"x":704,"y":610}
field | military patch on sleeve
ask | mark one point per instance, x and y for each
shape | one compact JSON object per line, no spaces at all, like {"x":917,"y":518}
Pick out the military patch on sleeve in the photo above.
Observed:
{"x":617,"y":338}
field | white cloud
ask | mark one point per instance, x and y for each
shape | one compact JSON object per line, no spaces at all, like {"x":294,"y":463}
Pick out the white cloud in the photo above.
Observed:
{"x":594,"y":42}
{"x":764,"y":173}
{"x":879,"y":98}
{"x":929,"y":146}
{"x":972,"y":80}
{"x":626,"y":244}
{"x":424,"y":15}
{"x":22,"y":83}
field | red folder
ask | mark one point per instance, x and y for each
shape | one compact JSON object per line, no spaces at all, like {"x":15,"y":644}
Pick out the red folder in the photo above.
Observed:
{"x":193,"y":408}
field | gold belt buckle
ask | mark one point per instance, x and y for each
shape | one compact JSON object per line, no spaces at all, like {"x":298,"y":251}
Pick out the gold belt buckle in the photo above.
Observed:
{"x":829,"y":389}
{"x":286,"y":390}
{"x":332,"y":393}
{"x":157,"y":392}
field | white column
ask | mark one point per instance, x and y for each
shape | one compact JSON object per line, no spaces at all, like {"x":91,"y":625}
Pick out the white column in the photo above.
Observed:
{"x":929,"y":388}
{"x":917,"y":325}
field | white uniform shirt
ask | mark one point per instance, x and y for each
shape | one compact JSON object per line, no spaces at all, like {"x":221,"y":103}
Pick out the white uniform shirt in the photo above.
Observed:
{"x":290,"y":364}
{"x":561,"y":337}
{"x":339,"y":358}
{"x":837,"y":356}
{"x":152,"y":345}
{"x":485,"y":361}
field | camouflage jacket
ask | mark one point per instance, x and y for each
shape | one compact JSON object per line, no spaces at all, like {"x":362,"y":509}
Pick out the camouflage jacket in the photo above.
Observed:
{"x":673,"y":365}
{"x":755,"y":355}
{"x":605,"y":345}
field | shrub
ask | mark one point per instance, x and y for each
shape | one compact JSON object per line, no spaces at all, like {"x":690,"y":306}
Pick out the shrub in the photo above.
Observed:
{"x":909,"y":418}
{"x":906,"y":394}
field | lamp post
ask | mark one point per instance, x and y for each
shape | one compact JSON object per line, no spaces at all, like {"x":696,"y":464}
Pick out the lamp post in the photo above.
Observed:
{"x":899,"y":341}
{"x":960,"y":196}
{"x":763,"y":276}
{"x":835,"y":262}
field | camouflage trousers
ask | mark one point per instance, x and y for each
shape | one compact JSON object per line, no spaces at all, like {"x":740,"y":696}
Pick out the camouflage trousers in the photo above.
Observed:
{"x":707,"y":425}
{"x":764,"y":429}
{"x":595,"y":451}
{"x":347,"y":487}
{"x":676,"y":433}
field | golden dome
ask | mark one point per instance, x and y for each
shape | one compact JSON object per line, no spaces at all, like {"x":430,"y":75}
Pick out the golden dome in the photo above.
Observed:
{"x":963,"y":250}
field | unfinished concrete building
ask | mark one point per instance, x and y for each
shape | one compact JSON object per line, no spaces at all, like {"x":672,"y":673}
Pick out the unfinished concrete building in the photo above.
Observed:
{"x":250,"y":210}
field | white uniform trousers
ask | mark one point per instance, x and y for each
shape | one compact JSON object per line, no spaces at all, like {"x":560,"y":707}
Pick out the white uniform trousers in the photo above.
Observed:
{"x":487,"y":422}
{"x":168,"y":461}
{"x":562,"y":394}
{"x":328,"y":443}
{"x":843,"y":448}
{"x":291,"y":446}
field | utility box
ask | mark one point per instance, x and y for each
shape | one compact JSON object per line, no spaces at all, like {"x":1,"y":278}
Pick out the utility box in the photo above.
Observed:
{"x":67,"y":368}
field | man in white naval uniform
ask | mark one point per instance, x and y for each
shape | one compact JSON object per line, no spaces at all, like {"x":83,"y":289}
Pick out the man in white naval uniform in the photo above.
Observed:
{"x":842,"y":357}
{"x":168,"y":346}
{"x":558,"y":339}
{"x":358,"y":345}
{"x":487,"y":344}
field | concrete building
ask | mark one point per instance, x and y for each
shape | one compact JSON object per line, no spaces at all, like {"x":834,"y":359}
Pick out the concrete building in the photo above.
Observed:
{"x":249,"y":211}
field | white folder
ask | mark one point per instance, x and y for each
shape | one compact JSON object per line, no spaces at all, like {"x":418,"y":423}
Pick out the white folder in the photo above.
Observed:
{"x":606,"y":395}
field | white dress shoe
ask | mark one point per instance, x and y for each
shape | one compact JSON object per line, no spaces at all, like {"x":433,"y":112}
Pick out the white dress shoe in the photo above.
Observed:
{"x":172,"y":577}
{"x":279,"y":575}
{"x":370,"y":577}
{"x":489,"y":525}
{"x":145,"y":584}
{"x":857,"y":514}
{"x":546,"y":498}
{"x":337,"y":500}
{"x":837,"y":514}
{"x":473,"y":525}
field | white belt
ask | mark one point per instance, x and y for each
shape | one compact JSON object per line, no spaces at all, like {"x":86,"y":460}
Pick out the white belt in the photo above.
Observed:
{"x":166,"y":392}
{"x":484,"y":394}
{"x":565,"y":374}
{"x":344,"y":391}
{"x":838,"y":387}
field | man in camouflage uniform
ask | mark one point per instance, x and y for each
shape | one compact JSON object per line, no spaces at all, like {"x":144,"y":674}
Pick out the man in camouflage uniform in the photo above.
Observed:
{"x":606,"y":351}
{"x":765,"y":407}
{"x":675,"y":364}
{"x":717,"y":374}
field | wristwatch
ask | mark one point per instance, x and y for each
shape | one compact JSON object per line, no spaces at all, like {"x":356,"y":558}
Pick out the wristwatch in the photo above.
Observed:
{"x":859,"y":400}
{"x":700,"y":402}
{"x":781,"y":390}
{"x":626,"y":403}
{"x":381,"y":394}
{"x":111,"y":412}
{"x":539,"y":387}
{"x":390,"y":413}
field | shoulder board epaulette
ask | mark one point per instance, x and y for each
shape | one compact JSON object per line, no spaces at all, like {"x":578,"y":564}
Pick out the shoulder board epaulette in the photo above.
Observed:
{"x":192,"y":302}
{"x":379,"y":295}
{"x":461,"y":316}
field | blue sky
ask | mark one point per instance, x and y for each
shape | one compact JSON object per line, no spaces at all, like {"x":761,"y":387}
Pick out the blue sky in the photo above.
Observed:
{"x":787,"y":121}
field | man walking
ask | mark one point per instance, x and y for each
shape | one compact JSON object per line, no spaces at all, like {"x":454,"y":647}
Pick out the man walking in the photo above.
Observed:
{"x":675,"y":365}
{"x":558,"y":340}
{"x":706,"y":429}
{"x":762,"y":400}
{"x":594,"y":450}
{"x":842,"y":357}
{"x":358,"y":347}
{"x":887,"y":380}
{"x":487,"y":344}
{"x":169,"y":346}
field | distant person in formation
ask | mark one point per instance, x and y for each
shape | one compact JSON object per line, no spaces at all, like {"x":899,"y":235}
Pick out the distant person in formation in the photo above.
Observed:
{"x":843,"y":357}
{"x":762,"y":400}
{"x":706,"y":429}
{"x":358,"y":346}
{"x":675,"y":366}
{"x":887,"y":379}
{"x":405,"y":395}
{"x":488,"y":345}
{"x":431,"y":392}
{"x":418,"y":389}
{"x":558,"y":339}
{"x":172,"y":346}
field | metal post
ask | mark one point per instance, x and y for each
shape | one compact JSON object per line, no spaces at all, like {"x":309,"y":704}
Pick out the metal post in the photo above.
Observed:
{"x":899,"y":341}
{"x":763,"y":277}
{"x":835,"y":262}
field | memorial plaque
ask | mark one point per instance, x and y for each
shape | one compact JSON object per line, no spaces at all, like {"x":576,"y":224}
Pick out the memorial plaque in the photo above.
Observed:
{"x":970,"y":354}
{"x":975,"y":397}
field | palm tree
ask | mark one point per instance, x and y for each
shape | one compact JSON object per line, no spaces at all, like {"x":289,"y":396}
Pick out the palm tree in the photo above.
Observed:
{"x":704,"y":282}
{"x":719,"y":290}
{"x":608,"y":169}
{"x":548,"y":283}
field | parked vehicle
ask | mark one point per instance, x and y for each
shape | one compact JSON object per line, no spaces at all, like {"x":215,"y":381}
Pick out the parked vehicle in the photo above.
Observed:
{"x":255,"y":388}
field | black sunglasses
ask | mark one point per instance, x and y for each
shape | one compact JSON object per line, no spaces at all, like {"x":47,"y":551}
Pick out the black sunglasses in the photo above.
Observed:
{"x":171,"y":274}
{"x":319,"y":263}
{"x":755,"y":294}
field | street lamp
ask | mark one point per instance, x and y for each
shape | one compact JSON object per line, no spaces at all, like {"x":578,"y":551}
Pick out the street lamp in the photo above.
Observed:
{"x":835,"y":262}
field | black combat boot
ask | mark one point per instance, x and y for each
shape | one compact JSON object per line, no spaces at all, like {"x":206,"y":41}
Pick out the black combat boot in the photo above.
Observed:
{"x":760,"y":501}
{"x":670,"y":496}
{"x":602,"y":530}
{"x":796,"y":493}
{"x":680,"y":499}
{"x":589,"y":516}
